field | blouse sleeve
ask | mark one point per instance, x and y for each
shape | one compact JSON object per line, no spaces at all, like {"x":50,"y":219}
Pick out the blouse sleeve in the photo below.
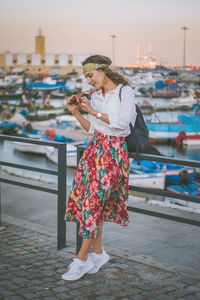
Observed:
{"x":127,"y":113}
{"x":90,"y":118}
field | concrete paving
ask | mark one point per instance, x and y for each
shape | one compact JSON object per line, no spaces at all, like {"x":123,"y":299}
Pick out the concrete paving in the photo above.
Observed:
{"x":152,"y":259}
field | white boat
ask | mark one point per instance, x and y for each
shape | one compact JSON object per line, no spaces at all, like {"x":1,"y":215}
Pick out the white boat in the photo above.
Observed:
{"x":45,"y":112}
{"x":29,"y":148}
{"x":192,"y":140}
{"x":71,"y":159}
{"x":155,"y":180}
{"x":180,"y":101}
{"x":62,"y":120}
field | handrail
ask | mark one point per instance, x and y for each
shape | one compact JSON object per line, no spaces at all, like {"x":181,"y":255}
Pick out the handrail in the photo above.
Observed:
{"x":164,"y":159}
{"x":60,"y":173}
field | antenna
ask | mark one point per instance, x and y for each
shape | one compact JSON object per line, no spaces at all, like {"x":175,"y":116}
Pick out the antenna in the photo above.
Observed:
{"x":40,"y":32}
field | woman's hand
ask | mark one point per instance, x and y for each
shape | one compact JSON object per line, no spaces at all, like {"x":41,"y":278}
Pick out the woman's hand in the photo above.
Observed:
{"x":72,"y":104}
{"x":84,"y":103}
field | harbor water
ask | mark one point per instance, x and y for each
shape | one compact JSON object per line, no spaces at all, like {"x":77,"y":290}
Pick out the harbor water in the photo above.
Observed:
{"x":8,"y":153}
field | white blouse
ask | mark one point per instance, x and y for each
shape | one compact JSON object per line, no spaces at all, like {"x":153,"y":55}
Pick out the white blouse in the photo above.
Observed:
{"x":120,"y":113}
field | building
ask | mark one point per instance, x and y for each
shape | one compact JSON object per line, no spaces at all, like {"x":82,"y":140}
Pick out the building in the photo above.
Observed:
{"x":40,"y":61}
{"x":40,"y":43}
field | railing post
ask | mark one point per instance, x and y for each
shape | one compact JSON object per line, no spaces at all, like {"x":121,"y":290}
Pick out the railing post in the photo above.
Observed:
{"x":61,"y":226}
{"x":78,"y":238}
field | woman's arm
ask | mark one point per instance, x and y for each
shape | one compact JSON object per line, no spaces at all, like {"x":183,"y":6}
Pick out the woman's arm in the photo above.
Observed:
{"x":74,"y":104}
{"x":85,"y":104}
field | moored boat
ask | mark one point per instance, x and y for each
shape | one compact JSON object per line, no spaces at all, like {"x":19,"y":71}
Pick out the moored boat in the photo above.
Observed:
{"x":173,"y":172}
{"x":71,"y":155}
{"x":7,"y":97}
{"x":49,"y":135}
{"x":45,"y":86}
{"x":166,"y":93}
{"x":29,"y":148}
{"x":155,"y":180}
{"x":192,"y":189}
{"x":164,"y":131}
{"x":145,"y":176}
{"x":188,"y":140}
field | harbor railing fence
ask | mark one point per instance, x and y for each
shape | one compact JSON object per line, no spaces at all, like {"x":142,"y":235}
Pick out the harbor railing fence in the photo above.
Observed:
{"x":151,"y":191}
{"x":61,"y":177}
{"x":62,"y":184}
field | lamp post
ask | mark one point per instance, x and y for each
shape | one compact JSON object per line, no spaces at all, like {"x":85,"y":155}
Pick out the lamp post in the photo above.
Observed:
{"x":113,"y":36}
{"x":184,"y":42}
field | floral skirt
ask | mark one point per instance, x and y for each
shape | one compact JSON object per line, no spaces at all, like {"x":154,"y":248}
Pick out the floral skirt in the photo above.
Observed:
{"x":100,"y":186}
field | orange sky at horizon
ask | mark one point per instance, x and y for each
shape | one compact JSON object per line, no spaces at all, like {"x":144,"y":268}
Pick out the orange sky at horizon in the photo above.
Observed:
{"x":85,"y":27}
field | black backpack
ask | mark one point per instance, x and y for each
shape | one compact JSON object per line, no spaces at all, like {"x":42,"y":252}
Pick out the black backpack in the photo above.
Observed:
{"x":138,"y":138}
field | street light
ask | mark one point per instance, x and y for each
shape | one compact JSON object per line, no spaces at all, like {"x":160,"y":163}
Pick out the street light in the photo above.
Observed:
{"x":113,"y":36}
{"x":184,"y":42}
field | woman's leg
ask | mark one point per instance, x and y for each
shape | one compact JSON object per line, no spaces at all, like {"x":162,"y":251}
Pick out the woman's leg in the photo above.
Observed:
{"x":97,"y":242}
{"x":96,"y":245}
{"x":85,"y":247}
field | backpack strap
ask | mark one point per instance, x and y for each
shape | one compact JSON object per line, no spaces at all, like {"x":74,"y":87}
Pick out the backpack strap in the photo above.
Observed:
{"x":120,"y":92}
{"x":131,"y":127}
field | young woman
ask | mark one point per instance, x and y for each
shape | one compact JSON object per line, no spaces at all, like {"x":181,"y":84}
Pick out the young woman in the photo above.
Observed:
{"x":100,"y":187}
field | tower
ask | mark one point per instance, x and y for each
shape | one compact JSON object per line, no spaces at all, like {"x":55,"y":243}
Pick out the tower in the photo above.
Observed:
{"x":40,"y":43}
{"x":138,"y":55}
{"x":149,"y":50}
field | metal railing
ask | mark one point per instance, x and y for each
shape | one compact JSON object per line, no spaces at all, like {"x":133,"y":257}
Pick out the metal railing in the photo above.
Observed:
{"x":61,"y":188}
{"x":60,"y":173}
{"x":164,"y":159}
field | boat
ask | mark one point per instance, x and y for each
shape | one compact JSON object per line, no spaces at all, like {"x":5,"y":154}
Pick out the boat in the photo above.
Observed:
{"x":45,"y":86}
{"x":172,"y":172}
{"x":166,"y":93}
{"x":64,"y":121}
{"x":36,"y":117}
{"x":188,"y":140}
{"x":181,"y":102}
{"x":71,"y":152}
{"x":29,"y":148}
{"x":4,"y":125}
{"x":52,"y":111}
{"x":147,"y":106}
{"x":8,"y":97}
{"x":58,"y":95}
{"x":143,"y":176}
{"x":49,"y":135}
{"x":192,"y":189}
{"x":165,"y":131}
{"x":147,"y":179}
{"x":71,"y":155}
{"x":30,"y":132}
{"x":168,"y":89}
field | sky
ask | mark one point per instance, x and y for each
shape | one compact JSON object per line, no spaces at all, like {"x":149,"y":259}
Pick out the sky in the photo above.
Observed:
{"x":86,"y":26}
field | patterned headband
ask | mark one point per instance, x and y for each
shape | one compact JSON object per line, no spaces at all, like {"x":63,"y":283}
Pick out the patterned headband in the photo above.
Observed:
{"x":92,"y":66}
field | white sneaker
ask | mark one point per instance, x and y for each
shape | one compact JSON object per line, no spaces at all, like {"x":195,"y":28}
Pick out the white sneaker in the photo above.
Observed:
{"x":77,"y":269}
{"x":99,"y":260}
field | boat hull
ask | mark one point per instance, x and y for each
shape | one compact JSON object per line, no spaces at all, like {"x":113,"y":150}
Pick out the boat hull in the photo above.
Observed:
{"x":192,"y":189}
{"x":71,"y":155}
{"x":192,"y":140}
{"x":29,"y":148}
{"x":151,"y":180}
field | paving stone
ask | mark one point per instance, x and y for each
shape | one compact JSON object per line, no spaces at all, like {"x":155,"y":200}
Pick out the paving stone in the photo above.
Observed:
{"x":4,"y":292}
{"x":31,"y":268}
{"x":192,"y":289}
{"x":15,"y":297}
{"x":190,"y":297}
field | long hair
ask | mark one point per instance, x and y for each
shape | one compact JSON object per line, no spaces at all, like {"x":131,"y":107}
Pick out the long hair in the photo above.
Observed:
{"x":112,"y":75}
